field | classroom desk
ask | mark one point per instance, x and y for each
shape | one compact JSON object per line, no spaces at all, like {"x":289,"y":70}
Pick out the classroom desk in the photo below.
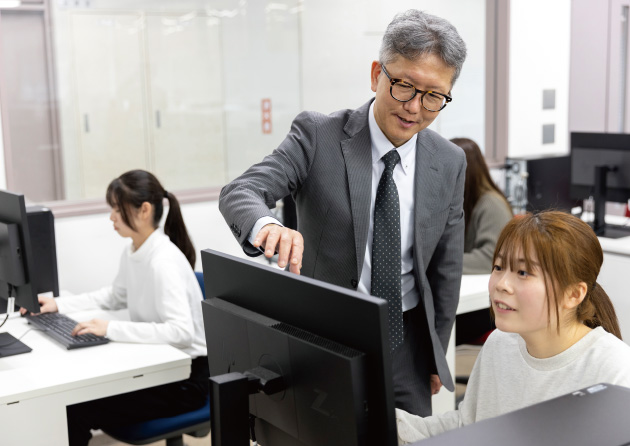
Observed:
{"x":36,"y":387}
{"x":473,"y":296}
{"x":613,"y":278}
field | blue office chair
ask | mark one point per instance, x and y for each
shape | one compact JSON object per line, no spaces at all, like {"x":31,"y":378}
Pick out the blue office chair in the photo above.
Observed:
{"x":195,"y":423}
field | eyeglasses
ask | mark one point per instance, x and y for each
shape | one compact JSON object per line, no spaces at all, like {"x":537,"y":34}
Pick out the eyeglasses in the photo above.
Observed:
{"x":405,"y":92}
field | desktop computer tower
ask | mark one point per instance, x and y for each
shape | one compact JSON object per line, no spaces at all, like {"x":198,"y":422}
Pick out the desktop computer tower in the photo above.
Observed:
{"x":41,"y":225}
{"x":540,"y":183}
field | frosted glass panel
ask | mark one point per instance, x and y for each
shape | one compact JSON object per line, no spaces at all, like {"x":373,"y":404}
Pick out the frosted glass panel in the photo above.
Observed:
{"x":185,"y":72}
{"x":110,"y":106}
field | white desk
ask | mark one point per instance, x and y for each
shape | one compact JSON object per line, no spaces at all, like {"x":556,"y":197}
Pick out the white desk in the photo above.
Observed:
{"x":613,"y":277}
{"x":36,"y":387}
{"x":473,"y":296}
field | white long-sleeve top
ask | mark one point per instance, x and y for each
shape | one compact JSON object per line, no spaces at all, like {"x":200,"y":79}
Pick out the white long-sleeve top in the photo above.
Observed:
{"x":161,"y":292}
{"x":506,"y":377}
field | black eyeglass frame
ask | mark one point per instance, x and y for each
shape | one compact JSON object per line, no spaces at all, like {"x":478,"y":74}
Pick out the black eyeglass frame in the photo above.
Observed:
{"x":415,"y":92}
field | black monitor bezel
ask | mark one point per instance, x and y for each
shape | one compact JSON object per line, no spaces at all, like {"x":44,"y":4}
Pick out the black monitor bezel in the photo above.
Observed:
{"x":13,"y":210}
{"x":242,"y":282}
{"x":608,"y":141}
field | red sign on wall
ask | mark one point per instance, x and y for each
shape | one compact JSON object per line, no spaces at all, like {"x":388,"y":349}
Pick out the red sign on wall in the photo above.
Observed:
{"x":266,"y":116}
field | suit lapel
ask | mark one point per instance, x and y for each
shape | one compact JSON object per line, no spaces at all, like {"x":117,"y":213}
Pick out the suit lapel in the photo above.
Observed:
{"x":427,"y":176}
{"x":357,"y":154}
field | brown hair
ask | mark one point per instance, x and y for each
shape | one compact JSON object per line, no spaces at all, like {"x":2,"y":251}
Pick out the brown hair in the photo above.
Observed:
{"x":133,"y":188}
{"x":568,"y":252}
{"x":478,"y":180}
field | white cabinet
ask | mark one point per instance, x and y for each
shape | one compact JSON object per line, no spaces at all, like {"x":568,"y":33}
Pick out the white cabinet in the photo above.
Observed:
{"x":184,"y":71}
{"x":110,"y":98}
{"x":148,"y":96}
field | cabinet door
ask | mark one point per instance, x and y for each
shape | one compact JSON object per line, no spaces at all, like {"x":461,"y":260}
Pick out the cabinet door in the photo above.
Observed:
{"x":108,"y":56}
{"x":185,"y":68}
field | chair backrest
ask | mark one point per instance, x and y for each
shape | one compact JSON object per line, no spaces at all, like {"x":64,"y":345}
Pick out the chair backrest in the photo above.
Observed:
{"x":199,"y":276}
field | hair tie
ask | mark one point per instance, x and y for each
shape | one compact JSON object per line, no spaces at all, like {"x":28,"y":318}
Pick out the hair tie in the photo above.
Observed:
{"x":165,"y":194}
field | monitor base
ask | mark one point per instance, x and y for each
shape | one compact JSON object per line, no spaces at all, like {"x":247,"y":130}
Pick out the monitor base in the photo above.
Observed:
{"x":613,"y":231}
{"x":10,"y":346}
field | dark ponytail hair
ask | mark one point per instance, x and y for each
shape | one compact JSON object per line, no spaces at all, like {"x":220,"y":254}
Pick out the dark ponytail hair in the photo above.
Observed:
{"x":478,"y":180}
{"x":568,"y":253}
{"x":135,"y":187}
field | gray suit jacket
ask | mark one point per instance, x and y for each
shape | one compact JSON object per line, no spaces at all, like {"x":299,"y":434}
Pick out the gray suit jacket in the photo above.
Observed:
{"x":325,"y":162}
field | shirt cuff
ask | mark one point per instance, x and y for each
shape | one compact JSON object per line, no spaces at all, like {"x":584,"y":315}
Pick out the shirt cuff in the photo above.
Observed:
{"x":259,"y":225}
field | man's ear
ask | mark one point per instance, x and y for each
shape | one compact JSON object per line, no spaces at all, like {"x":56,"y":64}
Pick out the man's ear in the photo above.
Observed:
{"x":376,"y":71}
{"x":575,"y":295}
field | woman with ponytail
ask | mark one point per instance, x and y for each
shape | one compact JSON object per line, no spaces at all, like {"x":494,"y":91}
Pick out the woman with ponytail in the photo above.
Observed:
{"x":557,"y":330}
{"x":157,"y":284}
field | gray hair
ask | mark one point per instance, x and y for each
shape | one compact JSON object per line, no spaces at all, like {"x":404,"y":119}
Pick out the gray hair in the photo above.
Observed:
{"x":413,"y":34}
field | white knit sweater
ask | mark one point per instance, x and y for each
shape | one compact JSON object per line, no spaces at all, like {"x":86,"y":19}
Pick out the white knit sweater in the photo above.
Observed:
{"x":506,"y":378}
{"x":158,"y":286}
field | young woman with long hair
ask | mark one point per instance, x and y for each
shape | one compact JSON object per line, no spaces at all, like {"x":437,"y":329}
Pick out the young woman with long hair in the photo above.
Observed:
{"x":486,"y":210}
{"x":557,"y":331}
{"x":157,"y":284}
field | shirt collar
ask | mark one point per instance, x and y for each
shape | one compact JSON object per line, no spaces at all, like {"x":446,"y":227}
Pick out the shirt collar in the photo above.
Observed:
{"x":381,"y":145}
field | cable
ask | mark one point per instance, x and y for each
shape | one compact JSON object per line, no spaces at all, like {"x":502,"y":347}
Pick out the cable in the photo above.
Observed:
{"x":5,"y":320}
{"x":252,"y":430}
{"x":10,"y":304}
{"x":14,"y":340}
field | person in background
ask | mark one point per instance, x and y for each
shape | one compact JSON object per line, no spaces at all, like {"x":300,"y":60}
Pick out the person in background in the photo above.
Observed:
{"x":486,"y":213}
{"x":158,"y":286}
{"x":557,"y":330}
{"x":486,"y":210}
{"x":379,"y":200}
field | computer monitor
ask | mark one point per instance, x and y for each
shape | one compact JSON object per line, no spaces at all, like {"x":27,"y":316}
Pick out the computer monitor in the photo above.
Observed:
{"x":16,"y":261}
{"x":319,"y":351}
{"x":600,"y":167}
{"x":28,"y":261}
{"x":595,"y":415}
{"x":548,"y":180}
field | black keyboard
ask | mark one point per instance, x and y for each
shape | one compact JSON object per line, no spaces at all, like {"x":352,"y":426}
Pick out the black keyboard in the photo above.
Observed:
{"x":59,"y":327}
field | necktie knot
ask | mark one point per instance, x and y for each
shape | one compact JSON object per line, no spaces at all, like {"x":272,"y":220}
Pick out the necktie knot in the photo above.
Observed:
{"x":390,"y":159}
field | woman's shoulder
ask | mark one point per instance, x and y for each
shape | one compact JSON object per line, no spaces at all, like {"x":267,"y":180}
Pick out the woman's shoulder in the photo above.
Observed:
{"x":501,"y":339}
{"x":492,"y":197}
{"x":493,"y":202}
{"x":609,"y":342}
{"x":166,"y":253}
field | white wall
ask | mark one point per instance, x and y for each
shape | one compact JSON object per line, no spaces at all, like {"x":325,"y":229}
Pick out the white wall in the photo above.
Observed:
{"x":3,"y":175}
{"x":540,"y":33}
{"x":88,"y":248}
{"x":336,"y":63}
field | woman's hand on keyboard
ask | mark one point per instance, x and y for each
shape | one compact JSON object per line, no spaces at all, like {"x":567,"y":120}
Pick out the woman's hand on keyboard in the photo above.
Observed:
{"x":97,"y":327}
{"x":46,"y":305}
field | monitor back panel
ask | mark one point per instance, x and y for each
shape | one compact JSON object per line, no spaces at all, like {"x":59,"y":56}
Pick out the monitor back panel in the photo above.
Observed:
{"x":44,"y":253}
{"x":341,"y":315}
{"x":598,"y":415}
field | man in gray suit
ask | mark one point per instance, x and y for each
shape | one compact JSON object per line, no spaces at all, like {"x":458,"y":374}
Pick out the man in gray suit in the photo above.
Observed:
{"x":334,"y":166}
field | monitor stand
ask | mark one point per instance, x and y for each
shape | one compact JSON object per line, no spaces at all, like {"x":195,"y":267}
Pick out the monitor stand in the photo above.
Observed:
{"x":599,"y":225}
{"x":10,"y":346}
{"x":614,"y":231}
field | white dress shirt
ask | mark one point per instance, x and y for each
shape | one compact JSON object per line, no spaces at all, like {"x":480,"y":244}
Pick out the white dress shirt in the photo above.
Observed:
{"x":404,"y":176}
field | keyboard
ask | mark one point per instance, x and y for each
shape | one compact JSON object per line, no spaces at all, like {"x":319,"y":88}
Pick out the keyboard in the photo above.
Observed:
{"x":59,"y":327}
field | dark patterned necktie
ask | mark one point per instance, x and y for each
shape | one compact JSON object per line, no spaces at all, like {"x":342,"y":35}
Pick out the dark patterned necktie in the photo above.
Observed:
{"x":386,"y":262}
